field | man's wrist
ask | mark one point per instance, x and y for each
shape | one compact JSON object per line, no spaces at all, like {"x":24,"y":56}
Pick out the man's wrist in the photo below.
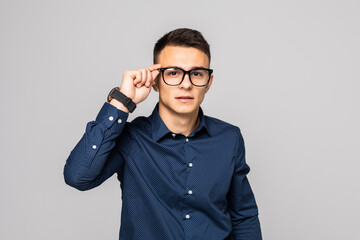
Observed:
{"x":122,"y":101}
{"x":119,"y":105}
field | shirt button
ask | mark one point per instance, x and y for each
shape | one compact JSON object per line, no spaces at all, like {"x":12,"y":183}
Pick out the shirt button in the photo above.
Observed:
{"x":190,"y":164}
{"x":119,"y":121}
{"x":174,"y":135}
{"x":186,"y":139}
{"x":187,"y":216}
{"x":111,"y":118}
{"x":94,"y":146}
{"x":190,"y":192}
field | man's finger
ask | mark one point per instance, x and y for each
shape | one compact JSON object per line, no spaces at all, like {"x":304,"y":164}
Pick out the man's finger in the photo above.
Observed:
{"x":138,"y":77}
{"x":144,"y":76}
{"x":149,"y":78}
{"x":154,"y":67}
{"x":155,"y":73}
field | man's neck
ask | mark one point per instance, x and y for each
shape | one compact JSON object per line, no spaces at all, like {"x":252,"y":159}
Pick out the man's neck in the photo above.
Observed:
{"x":179,"y":123}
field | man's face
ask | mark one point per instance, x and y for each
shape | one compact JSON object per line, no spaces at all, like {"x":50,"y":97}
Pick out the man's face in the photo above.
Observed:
{"x":185,"y":98}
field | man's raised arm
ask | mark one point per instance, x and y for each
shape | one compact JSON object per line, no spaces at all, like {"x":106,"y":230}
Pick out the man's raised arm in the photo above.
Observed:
{"x":95,"y":158}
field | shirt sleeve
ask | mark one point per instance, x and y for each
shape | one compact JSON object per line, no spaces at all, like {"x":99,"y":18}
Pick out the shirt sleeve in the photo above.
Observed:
{"x":95,"y":158}
{"x":242,"y":206}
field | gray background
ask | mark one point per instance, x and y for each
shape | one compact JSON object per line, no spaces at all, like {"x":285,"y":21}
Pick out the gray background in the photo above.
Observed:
{"x":286,"y":72}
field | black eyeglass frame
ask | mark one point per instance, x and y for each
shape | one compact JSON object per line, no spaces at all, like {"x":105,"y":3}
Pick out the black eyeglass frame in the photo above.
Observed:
{"x":210,"y":71}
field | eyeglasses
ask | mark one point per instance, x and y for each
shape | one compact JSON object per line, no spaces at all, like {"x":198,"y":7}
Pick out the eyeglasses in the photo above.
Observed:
{"x":174,"y":76}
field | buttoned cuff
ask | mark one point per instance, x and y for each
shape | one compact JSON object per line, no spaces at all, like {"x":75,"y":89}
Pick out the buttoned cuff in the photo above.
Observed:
{"x":109,"y":116}
{"x":109,"y":123}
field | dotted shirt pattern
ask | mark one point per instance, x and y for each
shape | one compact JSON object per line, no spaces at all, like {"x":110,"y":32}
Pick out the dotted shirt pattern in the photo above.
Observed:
{"x":173,"y":186}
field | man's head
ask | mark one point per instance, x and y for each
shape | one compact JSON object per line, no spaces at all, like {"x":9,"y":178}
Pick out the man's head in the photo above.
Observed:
{"x":185,"y":50}
{"x":182,"y":37}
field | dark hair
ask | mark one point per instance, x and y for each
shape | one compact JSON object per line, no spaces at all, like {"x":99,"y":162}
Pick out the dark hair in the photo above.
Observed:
{"x":182,"y":37}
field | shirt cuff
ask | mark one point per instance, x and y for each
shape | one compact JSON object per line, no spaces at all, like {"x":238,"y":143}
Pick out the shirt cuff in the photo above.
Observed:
{"x":109,"y":116}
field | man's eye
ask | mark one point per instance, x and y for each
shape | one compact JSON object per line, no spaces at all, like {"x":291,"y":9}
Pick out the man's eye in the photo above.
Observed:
{"x":172,"y":73}
{"x":197,"y":74}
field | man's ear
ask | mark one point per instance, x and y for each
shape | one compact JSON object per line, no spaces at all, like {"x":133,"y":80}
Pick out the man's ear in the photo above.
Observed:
{"x":209,"y":84}
{"x":156,"y":84}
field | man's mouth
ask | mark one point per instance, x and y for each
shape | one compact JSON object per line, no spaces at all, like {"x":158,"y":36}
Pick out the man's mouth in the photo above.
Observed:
{"x":184,"y":98}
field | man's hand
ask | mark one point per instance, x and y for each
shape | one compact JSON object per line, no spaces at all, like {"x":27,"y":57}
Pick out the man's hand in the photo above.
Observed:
{"x":136,"y":84}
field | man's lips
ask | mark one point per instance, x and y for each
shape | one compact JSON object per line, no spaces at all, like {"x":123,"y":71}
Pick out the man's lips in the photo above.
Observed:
{"x":184,"y":97}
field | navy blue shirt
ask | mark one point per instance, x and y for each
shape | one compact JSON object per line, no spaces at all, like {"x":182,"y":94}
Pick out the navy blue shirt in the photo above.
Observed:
{"x":173,"y":186}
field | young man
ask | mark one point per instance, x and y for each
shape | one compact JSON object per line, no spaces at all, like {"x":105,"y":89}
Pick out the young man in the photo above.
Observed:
{"x":182,"y":174}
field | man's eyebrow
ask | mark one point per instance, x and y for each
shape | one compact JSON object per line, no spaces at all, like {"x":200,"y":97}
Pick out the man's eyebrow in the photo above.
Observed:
{"x":194,"y":67}
{"x":171,"y":67}
{"x":198,"y":67}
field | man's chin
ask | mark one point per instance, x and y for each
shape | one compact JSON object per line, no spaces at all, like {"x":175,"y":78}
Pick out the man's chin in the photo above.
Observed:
{"x":186,"y":109}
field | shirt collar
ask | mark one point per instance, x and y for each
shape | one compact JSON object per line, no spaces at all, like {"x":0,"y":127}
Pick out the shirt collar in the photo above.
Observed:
{"x":159,"y":129}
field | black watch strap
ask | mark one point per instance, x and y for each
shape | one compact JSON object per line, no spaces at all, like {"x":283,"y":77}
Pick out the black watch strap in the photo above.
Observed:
{"x":128,"y":102}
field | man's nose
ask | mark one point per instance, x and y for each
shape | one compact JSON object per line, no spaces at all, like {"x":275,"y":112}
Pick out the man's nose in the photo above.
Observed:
{"x":186,"y":83}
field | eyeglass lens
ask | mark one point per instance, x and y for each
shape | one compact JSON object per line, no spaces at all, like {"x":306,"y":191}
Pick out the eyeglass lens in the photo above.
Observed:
{"x":174,"y":76}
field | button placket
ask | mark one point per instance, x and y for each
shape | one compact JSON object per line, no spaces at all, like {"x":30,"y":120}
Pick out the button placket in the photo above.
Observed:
{"x":189,"y":193}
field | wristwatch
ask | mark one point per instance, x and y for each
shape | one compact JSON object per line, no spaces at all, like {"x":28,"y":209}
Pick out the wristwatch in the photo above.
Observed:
{"x":127,"y":102}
